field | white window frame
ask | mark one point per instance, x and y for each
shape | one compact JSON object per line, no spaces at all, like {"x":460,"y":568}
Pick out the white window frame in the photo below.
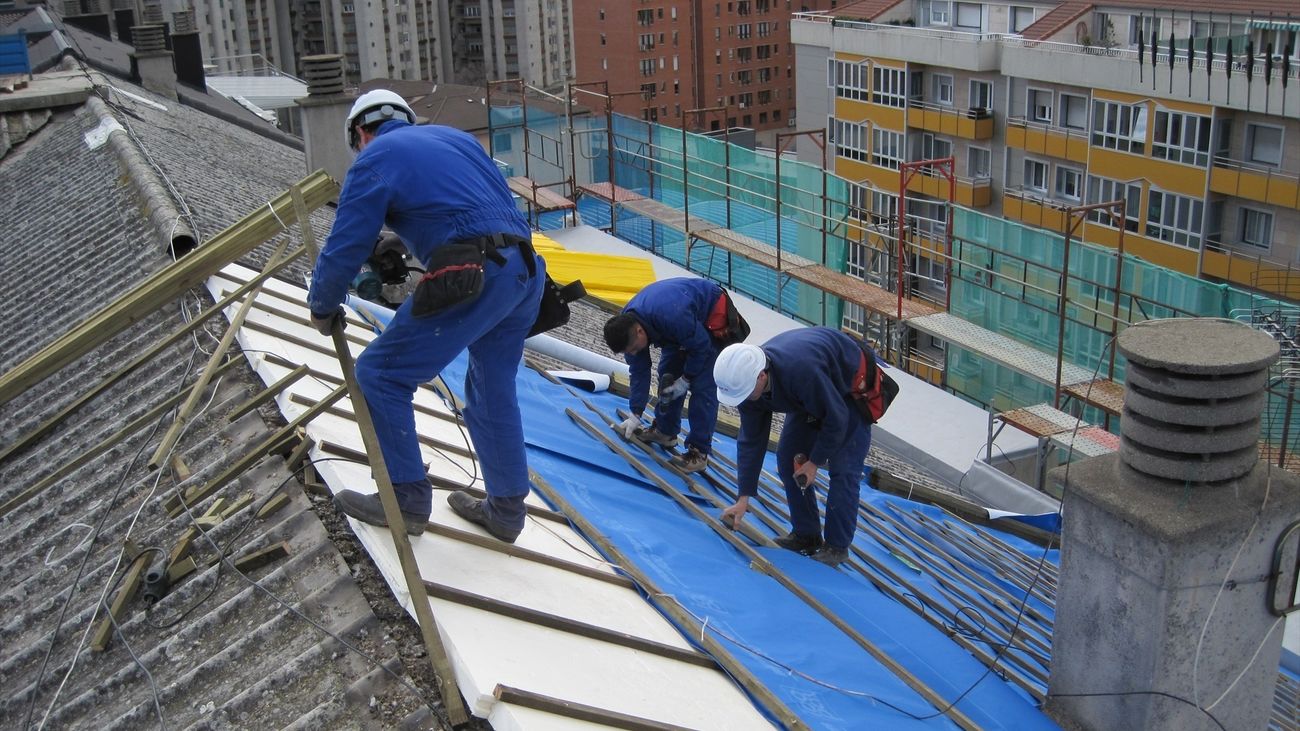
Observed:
{"x":886,"y":148}
{"x":940,"y":12}
{"x":961,"y":9}
{"x":1013,"y":20}
{"x":1256,"y":228}
{"x":1252,"y":130}
{"x":1038,"y":109}
{"x":1030,"y":178}
{"x":849,"y":138}
{"x":1062,"y":187}
{"x":975,"y":95}
{"x":941,"y":83}
{"x":1144,"y":24}
{"x":1104,"y":190}
{"x":1119,"y":126}
{"x":1181,"y":137}
{"x":973,"y":169}
{"x":889,"y":86}
{"x":1179,"y":218}
{"x":884,"y":207}
{"x":1064,"y":120}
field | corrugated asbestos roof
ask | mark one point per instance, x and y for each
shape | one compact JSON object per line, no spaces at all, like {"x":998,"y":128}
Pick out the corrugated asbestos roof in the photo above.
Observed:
{"x":81,"y":228}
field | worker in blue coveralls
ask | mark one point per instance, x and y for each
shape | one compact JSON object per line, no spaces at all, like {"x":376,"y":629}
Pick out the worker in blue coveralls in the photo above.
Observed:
{"x":806,"y":374}
{"x":437,"y":189}
{"x":687,"y":318}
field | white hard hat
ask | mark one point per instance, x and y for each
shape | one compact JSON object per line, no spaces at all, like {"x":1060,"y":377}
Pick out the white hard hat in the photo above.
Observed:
{"x":374,"y":106}
{"x":736,"y":372}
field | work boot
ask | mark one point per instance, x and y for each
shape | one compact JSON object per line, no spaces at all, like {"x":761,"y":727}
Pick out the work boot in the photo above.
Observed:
{"x":368,"y":509}
{"x":693,"y":461}
{"x":805,"y":545}
{"x":831,"y":555}
{"x":654,"y":436}
{"x":475,"y":511}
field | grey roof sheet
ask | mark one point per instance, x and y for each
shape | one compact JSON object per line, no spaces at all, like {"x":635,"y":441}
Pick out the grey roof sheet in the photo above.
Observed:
{"x":77,"y":235}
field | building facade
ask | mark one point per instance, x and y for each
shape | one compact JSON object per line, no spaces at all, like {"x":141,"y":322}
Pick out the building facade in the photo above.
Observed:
{"x":1050,"y":106}
{"x":686,"y":55}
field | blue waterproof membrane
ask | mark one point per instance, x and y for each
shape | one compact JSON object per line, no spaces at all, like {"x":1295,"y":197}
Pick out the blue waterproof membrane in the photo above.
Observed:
{"x":818,"y":671}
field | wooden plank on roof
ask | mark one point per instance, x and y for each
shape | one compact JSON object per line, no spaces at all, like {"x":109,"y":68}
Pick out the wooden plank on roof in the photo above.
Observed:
{"x":542,"y":198}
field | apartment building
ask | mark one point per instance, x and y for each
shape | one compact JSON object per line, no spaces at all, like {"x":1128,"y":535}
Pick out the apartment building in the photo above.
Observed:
{"x":503,"y":39}
{"x":683,"y":55}
{"x":1048,"y":106}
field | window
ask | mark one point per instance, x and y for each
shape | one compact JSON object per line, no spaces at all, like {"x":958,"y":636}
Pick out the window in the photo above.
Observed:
{"x":979,"y":163}
{"x":1069,"y":183}
{"x":1264,"y":144}
{"x":647,"y":66}
{"x":849,"y":139}
{"x":1103,"y":190}
{"x":981,"y":94}
{"x":1120,"y":127}
{"x":886,"y":148}
{"x":934,"y":148}
{"x":1174,"y":218}
{"x":938,"y":12}
{"x":644,"y":17}
{"x":1036,"y":175}
{"x":744,"y":30}
{"x":1021,"y":18}
{"x":887,"y":86}
{"x":1144,"y":25}
{"x":1074,"y":111}
{"x":969,"y":16}
{"x":1039,"y":105}
{"x":646,"y":41}
{"x":1257,"y":228}
{"x":1181,"y":138}
{"x":942,"y":89}
{"x":848,"y":79}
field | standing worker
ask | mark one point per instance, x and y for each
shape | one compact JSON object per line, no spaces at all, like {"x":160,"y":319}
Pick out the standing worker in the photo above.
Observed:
{"x":690,"y":320}
{"x":437,"y":189}
{"x":830,"y":389}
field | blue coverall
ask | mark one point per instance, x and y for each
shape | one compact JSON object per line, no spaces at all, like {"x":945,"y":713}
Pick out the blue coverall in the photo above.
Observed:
{"x":810,"y":376}
{"x":673,"y":313}
{"x":434,"y":185}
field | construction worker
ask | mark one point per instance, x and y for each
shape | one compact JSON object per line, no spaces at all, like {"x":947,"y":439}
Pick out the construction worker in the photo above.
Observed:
{"x":435,"y":188}
{"x":809,"y":375}
{"x":690,"y":320}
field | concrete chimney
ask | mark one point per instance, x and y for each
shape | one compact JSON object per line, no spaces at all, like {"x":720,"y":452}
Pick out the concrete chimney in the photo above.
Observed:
{"x":152,"y":60}
{"x":324,"y":111}
{"x":123,"y":19}
{"x":1184,"y":519}
{"x":188,"y":50}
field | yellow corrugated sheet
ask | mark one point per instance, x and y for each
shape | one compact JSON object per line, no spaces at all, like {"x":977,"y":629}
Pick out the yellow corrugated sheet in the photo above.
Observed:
{"x":611,"y":278}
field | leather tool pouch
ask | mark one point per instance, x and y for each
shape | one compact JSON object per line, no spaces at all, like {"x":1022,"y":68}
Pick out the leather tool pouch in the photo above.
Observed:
{"x":553,"y":310}
{"x":454,"y":276}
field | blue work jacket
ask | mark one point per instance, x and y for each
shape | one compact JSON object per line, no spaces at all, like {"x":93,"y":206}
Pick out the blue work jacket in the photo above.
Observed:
{"x":810,"y":373}
{"x":430,"y":184}
{"x":673,"y":313}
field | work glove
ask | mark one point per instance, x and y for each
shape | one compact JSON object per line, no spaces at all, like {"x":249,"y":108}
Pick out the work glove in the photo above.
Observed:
{"x":325,"y":325}
{"x":629,"y":425}
{"x":674,"y":390}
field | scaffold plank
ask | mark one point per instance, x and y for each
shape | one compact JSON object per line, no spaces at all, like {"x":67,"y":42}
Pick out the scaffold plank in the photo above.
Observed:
{"x":1041,"y":420}
{"x":610,"y":193}
{"x":668,"y":216}
{"x":1001,"y":349}
{"x":1101,"y":393}
{"x":752,"y":249}
{"x":877,"y":300}
{"x":543,"y":199}
{"x":1089,"y":441}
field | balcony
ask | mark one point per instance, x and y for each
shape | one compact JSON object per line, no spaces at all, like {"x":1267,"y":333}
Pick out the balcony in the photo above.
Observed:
{"x":1254,"y":182}
{"x":946,"y":48}
{"x":1035,"y":209}
{"x":1042,"y":139}
{"x":968,"y":124}
{"x":968,"y":192}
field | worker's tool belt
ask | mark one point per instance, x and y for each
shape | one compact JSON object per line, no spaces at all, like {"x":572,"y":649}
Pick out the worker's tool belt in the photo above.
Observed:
{"x":553,"y":310}
{"x":873,"y":389}
{"x":725,"y":324}
{"x":454,"y":273}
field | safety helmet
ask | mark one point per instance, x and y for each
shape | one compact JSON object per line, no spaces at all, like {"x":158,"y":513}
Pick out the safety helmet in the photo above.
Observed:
{"x":374,"y":106}
{"x":736,"y":372}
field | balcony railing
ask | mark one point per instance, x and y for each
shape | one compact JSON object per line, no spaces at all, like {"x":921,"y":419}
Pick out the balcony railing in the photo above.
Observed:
{"x":968,"y":124}
{"x":969,"y":192}
{"x":1069,"y":144}
{"x":1252,"y":181}
{"x":1219,"y":62}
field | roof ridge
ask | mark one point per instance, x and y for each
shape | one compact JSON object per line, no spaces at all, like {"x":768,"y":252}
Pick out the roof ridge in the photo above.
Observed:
{"x":1067,"y":12}
{"x":156,"y":199}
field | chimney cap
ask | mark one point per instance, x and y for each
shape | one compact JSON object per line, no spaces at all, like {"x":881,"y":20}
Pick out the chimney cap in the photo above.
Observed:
{"x":1182,"y":345}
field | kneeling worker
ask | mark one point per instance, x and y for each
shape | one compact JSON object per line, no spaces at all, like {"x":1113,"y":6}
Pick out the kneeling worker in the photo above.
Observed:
{"x":815,"y":376}
{"x":690,"y":320}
